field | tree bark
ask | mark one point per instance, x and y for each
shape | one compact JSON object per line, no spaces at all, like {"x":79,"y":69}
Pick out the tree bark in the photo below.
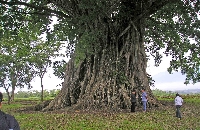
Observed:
{"x":42,"y":91}
{"x":13,"y":85}
{"x":104,"y":80}
{"x":8,"y":94}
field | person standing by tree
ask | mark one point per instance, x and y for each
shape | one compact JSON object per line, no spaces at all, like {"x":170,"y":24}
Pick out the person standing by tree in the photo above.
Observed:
{"x":7,"y":122}
{"x":178,"y":104}
{"x":133,"y":100}
{"x":144,"y":99}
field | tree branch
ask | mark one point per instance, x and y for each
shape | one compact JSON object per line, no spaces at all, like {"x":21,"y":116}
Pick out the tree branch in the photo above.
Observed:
{"x":37,"y":13}
{"x":39,"y":8}
{"x":155,"y":6}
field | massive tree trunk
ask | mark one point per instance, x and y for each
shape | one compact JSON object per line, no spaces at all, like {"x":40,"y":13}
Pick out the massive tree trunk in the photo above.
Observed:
{"x":105,"y":78}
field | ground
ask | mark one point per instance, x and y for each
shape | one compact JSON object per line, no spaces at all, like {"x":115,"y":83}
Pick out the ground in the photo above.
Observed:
{"x":159,"y":118}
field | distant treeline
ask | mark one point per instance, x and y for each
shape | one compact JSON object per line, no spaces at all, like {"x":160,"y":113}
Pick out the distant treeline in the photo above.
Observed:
{"x":34,"y":93}
{"x":54,"y":92}
{"x":158,"y":92}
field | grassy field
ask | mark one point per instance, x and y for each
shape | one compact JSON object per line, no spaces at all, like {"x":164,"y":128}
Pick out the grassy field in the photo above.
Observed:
{"x":154,"y":119}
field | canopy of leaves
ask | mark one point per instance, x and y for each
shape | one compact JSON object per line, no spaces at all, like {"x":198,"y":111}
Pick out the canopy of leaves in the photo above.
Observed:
{"x":175,"y":29}
{"x":172,"y":26}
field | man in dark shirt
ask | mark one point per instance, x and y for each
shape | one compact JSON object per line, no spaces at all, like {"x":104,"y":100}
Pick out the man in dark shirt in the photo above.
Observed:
{"x":7,"y":122}
{"x":133,"y":101}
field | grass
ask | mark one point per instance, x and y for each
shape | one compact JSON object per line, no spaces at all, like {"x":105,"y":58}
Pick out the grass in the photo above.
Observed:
{"x":161,"y":119}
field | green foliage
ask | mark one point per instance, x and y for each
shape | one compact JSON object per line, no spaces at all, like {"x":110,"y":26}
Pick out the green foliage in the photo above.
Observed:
{"x":161,"y":93}
{"x":13,"y":61}
{"x":24,"y":53}
{"x":59,"y":68}
{"x":175,"y":29}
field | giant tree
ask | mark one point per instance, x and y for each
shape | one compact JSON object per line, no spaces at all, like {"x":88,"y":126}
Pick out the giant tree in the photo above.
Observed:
{"x":111,"y":39}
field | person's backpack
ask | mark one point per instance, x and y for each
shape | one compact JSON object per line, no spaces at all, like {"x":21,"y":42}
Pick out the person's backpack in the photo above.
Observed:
{"x":3,"y":121}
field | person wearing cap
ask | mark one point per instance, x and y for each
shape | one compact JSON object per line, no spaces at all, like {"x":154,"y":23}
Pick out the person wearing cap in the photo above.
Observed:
{"x":7,"y":122}
{"x":144,"y":99}
{"x":178,"y":103}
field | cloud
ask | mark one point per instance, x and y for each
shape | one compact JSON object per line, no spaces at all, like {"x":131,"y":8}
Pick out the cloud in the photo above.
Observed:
{"x":166,"y":77}
{"x":172,"y":82}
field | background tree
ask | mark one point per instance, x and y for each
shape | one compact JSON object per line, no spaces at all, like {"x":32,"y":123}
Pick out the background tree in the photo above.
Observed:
{"x":41,"y":59}
{"x":28,"y":46}
{"x":16,"y":71}
{"x":4,"y":82}
{"x":111,"y":39}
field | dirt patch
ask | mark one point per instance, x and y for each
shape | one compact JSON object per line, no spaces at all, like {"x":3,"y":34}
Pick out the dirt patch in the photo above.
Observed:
{"x":35,"y":107}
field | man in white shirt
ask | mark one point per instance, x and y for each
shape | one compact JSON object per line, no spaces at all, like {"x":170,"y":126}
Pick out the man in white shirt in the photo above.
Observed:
{"x":178,"y":103}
